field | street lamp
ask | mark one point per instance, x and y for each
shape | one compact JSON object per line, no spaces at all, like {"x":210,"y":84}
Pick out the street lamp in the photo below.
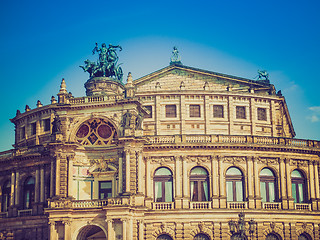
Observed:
{"x":238,"y":229}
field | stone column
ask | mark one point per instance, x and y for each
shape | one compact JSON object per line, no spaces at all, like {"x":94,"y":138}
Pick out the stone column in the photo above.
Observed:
{"x":185,"y":183}
{"x":17,"y":189}
{"x":312,"y":185}
{"x":215,"y":182}
{"x":206,"y":109}
{"x":52,"y":174}
{"x":57,"y":176}
{"x":124,"y":229}
{"x":250,"y":182}
{"x":37,"y":186}
{"x":67,"y":228}
{"x":316,"y":180}
{"x":178,"y":182}
{"x":70,"y":175}
{"x":120,"y":154}
{"x":283,"y":178}
{"x":230,"y":114}
{"x":42,"y":185}
{"x":273,"y":119}
{"x":257,"y":194}
{"x":127,"y":152}
{"x":182,"y":114}
{"x":157,"y":114}
{"x":12,"y":189}
{"x":289,"y":188}
{"x":130,"y":230}
{"x":148,"y":183}
{"x":140,"y":171}
{"x":52,"y":233}
{"x":110,"y":230}
{"x":253,"y":117}
{"x":141,"y":229}
{"x":222,"y":185}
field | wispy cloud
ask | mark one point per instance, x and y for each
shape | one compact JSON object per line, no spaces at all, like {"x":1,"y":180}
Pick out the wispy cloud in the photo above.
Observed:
{"x":315,"y":115}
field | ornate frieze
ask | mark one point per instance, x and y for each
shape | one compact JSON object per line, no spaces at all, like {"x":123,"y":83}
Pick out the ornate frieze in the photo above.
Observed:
{"x":163,"y":160}
{"x":198,"y":159}
{"x":298,"y":162}
{"x":268,"y":161}
{"x":233,"y":159}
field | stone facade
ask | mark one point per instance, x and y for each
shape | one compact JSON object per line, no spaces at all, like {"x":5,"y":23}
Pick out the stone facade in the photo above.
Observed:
{"x":177,"y":154}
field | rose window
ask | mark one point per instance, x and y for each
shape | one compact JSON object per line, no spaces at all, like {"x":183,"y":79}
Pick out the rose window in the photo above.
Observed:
{"x":96,"y":132}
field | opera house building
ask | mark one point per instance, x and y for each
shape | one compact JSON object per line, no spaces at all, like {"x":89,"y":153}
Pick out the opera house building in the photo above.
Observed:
{"x":181,"y":153}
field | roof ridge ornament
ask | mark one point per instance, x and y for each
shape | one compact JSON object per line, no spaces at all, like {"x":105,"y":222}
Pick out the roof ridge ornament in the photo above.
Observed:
{"x":175,"y":59}
{"x":263,"y":75}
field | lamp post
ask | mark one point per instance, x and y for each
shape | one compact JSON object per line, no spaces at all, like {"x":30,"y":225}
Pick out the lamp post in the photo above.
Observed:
{"x":238,"y":228}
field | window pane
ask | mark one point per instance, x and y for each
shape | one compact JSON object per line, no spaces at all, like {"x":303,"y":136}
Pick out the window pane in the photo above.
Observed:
{"x":158,"y":191}
{"x":198,"y":171}
{"x":239,"y":191}
{"x":262,"y":114}
{"x":218,"y":111}
{"x":168,"y":191}
{"x":263,"y":191}
{"x":240,"y":112}
{"x":194,"y":110}
{"x":193,"y":191}
{"x":300,"y":187}
{"x":171,"y":111}
{"x":233,"y":171}
{"x":163,"y":171}
{"x":272,"y":197}
{"x":296,"y":174}
{"x":266,"y":172}
{"x":229,"y":192}
{"x":205,"y":191}
{"x":294,"y":193}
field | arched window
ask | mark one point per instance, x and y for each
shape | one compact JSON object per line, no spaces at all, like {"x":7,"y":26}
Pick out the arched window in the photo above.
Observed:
{"x":201,"y":236}
{"x":6,"y":196}
{"x":267,"y":185}
{"x":235,"y":185}
{"x":304,"y":236}
{"x":199,"y":187}
{"x":28,"y":193}
{"x":298,"y":184}
{"x":272,"y":236}
{"x":237,"y":236}
{"x":164,"y":237}
{"x":163,"y":187}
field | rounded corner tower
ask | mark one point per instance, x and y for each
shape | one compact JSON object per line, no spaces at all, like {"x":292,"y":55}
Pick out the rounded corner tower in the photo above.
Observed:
{"x":103,"y":86}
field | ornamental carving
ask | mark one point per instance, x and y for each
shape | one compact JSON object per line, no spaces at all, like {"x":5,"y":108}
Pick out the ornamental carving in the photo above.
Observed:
{"x":234,"y":159}
{"x":96,"y":132}
{"x":298,"y":162}
{"x":103,"y":165}
{"x":268,"y":161}
{"x":163,"y":160}
{"x":198,"y":159}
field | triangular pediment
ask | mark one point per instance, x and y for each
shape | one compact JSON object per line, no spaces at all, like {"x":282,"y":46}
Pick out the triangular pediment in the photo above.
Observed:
{"x":179,"y":77}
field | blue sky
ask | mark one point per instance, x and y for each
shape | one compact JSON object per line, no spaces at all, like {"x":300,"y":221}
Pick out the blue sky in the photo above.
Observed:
{"x":44,"y":41}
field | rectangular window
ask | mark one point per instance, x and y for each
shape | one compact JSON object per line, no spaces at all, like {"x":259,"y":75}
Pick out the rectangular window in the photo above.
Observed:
{"x":195,"y":111}
{"x":240,"y":112}
{"x":23,"y":133}
{"x":105,"y":189}
{"x":33,"y":128}
{"x":46,"y":125}
{"x":262,"y":114}
{"x":149,"y":108}
{"x":171,"y":111}
{"x":218,"y":111}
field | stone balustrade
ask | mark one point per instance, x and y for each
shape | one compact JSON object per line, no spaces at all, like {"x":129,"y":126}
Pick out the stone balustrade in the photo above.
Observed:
{"x":302,"y":206}
{"x":200,"y":205}
{"x":271,"y":205}
{"x":93,"y":99}
{"x":162,"y":205}
{"x":25,"y":212}
{"x":237,"y":205}
{"x":231,"y":139}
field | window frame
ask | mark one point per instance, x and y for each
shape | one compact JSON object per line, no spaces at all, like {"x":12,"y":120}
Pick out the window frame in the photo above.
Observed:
{"x":169,"y":112}
{"x":28,"y":190}
{"x":33,"y":128}
{"x":6,"y":196}
{"x":218,"y":113}
{"x":195,"y":111}
{"x":198,"y":180}
{"x":149,"y":108}
{"x":262,"y":116}
{"x":267,"y":180}
{"x":234,"y":179}
{"x":241,"y":110}
{"x":107,"y":191}
{"x":163,"y":179}
{"x":295,"y":181}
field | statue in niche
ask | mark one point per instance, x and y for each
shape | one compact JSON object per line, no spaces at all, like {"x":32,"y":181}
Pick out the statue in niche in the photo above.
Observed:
{"x":56,"y":125}
{"x":126,"y":119}
{"x":139,"y":120}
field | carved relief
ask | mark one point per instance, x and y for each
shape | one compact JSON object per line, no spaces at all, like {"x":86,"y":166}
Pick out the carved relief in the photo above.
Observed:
{"x":234,"y":159}
{"x":268,"y":161}
{"x":298,"y":162}
{"x":198,"y":159}
{"x":163,"y":160}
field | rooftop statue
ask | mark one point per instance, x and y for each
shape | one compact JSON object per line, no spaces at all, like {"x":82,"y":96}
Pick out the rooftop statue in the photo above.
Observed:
{"x":107,"y":64}
{"x":262,"y":74}
{"x":175,"y":59}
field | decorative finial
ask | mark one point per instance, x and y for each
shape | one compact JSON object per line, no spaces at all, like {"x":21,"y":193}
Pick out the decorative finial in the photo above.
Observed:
{"x":39,"y":104}
{"x":63,"y":86}
{"x":175,"y":59}
{"x":53,"y":100}
{"x":27,"y":108}
{"x":129,"y":78}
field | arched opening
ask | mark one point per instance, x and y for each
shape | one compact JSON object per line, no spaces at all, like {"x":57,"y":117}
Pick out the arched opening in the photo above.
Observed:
{"x":91,"y":232}
{"x":163,"y":186}
{"x":6,"y":196}
{"x":268,"y":185}
{"x":273,"y":236}
{"x":28,"y":193}
{"x":199,"y":187}
{"x":299,"y":188}
{"x":235,"y":185}
{"x":201,"y":236}
{"x":164,"y":237}
{"x":238,"y":236}
{"x":304,"y":236}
